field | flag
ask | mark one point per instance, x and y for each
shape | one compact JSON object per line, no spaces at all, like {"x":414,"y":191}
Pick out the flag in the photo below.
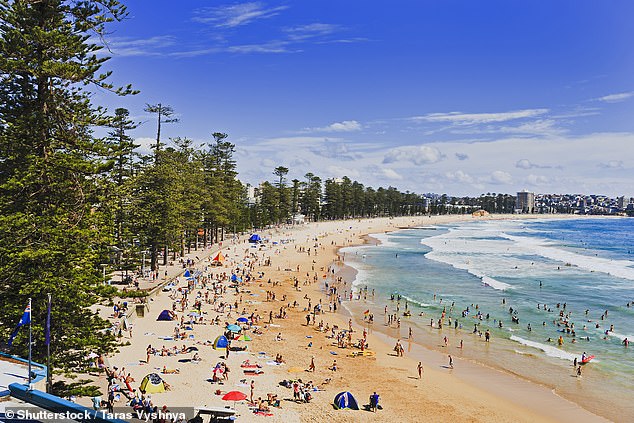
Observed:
{"x":365,"y":313}
{"x":25,"y":320}
{"x":47,"y":329}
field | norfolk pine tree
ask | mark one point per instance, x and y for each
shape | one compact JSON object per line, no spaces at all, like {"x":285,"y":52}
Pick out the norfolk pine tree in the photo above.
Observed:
{"x":51,"y":230}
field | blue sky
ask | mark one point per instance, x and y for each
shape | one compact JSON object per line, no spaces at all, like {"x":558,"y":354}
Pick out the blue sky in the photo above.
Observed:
{"x":458,"y":97}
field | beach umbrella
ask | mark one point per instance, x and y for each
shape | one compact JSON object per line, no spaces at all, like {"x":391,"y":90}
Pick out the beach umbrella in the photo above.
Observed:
{"x":234,"y":328}
{"x":194,"y":314}
{"x":234,"y":396}
{"x":243,"y":337}
{"x":242,"y":319}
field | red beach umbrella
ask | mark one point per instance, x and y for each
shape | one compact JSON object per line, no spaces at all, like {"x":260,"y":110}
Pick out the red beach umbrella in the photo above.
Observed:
{"x":234,"y":396}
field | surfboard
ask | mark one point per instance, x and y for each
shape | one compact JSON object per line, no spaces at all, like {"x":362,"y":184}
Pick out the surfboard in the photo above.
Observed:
{"x":587,"y":359}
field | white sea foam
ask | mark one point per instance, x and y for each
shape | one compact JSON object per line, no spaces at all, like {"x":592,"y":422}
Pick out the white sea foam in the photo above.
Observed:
{"x":621,"y":337}
{"x":549,"y":350}
{"x":465,"y":249}
{"x":620,"y":268}
{"x":495,"y":284}
{"x":413,"y":301}
{"x":384,"y":239}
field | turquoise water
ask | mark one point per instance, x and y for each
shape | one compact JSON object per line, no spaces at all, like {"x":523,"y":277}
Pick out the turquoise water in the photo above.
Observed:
{"x":489,"y":267}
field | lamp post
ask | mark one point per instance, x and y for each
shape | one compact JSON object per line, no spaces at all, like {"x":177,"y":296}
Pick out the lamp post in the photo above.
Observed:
{"x":143,"y":264}
{"x":103,"y":266}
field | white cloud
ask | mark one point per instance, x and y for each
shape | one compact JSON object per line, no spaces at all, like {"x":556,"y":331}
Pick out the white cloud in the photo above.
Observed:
{"x":527,"y":164}
{"x":343,"y":126}
{"x":268,"y":47}
{"x":550,"y":164}
{"x":268,"y":164}
{"x":335,"y":150}
{"x":339,"y":172}
{"x":461,"y":156}
{"x":615,"y":98}
{"x":126,"y":47}
{"x":458,"y":118}
{"x":391,"y":174}
{"x":300,"y":162}
{"x":612,"y":164}
{"x":313,"y":30}
{"x":537,"y":180}
{"x":146,"y":145}
{"x":499,"y":177}
{"x":231,"y":16}
{"x":459,"y":176}
{"x":418,"y":155}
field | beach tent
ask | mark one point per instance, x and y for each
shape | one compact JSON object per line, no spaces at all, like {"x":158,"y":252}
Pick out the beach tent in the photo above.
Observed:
{"x":166,"y":315}
{"x":345,"y":400}
{"x":255,"y":238}
{"x":152,"y":384}
{"x":219,"y":258}
{"x":221,"y":343}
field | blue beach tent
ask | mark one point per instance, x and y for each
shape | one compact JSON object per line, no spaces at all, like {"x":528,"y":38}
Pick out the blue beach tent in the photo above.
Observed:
{"x":255,"y":238}
{"x":221,"y":343}
{"x":166,"y":315}
{"x":187,"y":274}
{"x":345,"y":400}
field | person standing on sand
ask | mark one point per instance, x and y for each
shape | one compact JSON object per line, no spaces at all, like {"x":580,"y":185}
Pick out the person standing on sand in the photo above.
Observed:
{"x":311,"y":368}
{"x":420,"y":370}
{"x":149,"y":352}
{"x":252,"y":389}
{"x":450,"y":362}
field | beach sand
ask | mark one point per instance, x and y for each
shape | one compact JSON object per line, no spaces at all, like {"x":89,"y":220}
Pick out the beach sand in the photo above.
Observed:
{"x":468,"y":392}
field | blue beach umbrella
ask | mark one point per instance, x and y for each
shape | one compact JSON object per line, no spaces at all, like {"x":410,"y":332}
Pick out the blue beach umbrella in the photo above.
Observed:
{"x":234,"y":328}
{"x":242,"y":319}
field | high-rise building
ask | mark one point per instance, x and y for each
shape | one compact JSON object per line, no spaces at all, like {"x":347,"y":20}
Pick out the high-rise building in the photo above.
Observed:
{"x":525,"y":202}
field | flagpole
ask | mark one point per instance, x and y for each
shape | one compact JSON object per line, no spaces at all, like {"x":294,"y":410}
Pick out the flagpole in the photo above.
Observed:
{"x":30,"y":344}
{"x":49,"y":381}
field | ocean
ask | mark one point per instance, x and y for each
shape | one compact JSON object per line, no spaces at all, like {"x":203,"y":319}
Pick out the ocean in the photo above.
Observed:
{"x":528,"y":282}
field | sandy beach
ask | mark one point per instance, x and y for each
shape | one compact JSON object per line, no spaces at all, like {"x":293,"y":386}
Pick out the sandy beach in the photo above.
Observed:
{"x":294,"y":266}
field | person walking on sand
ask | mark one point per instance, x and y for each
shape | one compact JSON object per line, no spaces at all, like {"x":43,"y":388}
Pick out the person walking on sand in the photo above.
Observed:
{"x":420,"y":370}
{"x":311,"y":368}
{"x":450,"y":362}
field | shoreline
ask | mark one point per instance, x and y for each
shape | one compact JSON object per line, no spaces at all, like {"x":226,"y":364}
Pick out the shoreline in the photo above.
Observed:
{"x":501,"y":382}
{"x":442,"y":396}
{"x":534,"y":393}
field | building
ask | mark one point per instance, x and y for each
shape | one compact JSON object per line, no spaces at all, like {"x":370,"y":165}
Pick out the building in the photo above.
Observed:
{"x":525,"y":202}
